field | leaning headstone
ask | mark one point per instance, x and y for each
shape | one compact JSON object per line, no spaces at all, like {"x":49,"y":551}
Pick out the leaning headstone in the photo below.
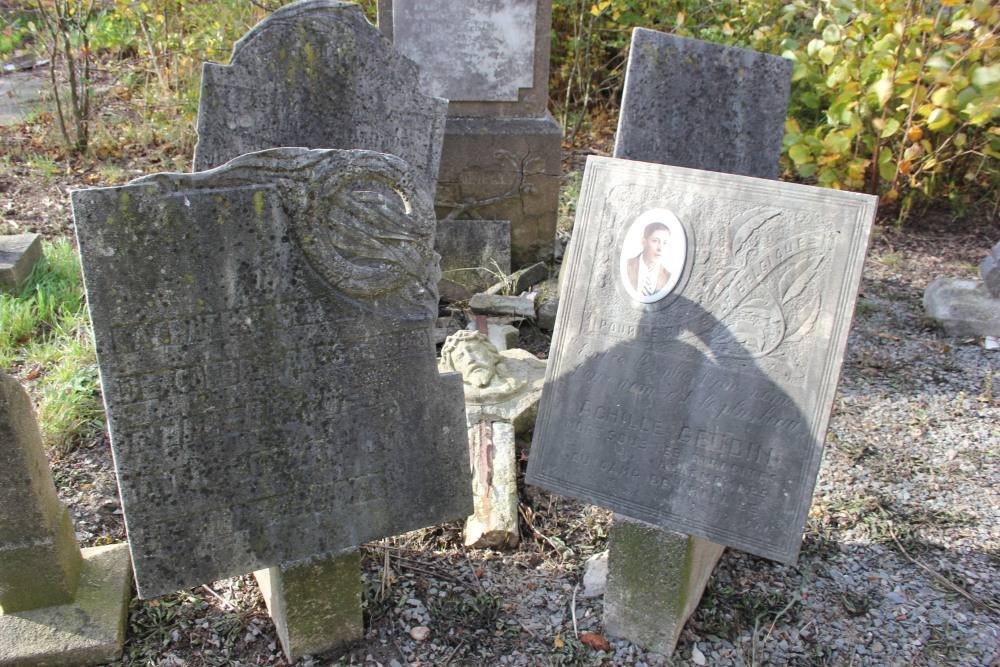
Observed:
{"x":701,"y":105}
{"x":502,"y":389}
{"x":58,"y":605}
{"x":18,"y":255}
{"x":317,"y":74}
{"x":268,"y":368}
{"x":701,"y":404}
{"x":705,"y":106}
{"x":501,"y":156}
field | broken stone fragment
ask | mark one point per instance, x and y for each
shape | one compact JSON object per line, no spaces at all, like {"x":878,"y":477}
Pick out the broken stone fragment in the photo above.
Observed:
{"x":520,"y":281}
{"x":494,"y":304}
{"x":963,"y":307}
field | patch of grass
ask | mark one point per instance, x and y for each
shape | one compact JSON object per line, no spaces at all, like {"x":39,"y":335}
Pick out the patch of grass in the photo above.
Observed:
{"x":46,"y":165}
{"x":46,"y":341}
{"x":723,"y":607}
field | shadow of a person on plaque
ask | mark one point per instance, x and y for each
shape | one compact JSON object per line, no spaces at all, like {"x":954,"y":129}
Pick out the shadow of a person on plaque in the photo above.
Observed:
{"x":658,"y":409}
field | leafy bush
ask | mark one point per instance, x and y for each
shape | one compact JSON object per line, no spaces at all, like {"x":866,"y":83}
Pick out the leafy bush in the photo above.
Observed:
{"x":892,"y":97}
{"x":905,"y":97}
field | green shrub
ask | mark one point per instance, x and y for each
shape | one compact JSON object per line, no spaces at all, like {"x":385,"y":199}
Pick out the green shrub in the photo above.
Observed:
{"x":892,"y":97}
{"x":900,"y":96}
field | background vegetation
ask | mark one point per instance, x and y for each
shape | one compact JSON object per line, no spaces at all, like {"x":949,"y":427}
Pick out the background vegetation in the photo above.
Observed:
{"x":899,"y":98}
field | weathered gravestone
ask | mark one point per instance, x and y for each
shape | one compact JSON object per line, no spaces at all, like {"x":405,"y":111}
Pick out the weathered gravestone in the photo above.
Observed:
{"x":58,"y":605}
{"x":264,"y":338}
{"x":705,"y":106}
{"x":696,"y":104}
{"x":317,"y":74}
{"x":700,"y":405}
{"x":501,"y":156}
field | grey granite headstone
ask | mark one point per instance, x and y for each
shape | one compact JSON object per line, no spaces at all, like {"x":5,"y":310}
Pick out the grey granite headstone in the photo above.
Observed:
{"x":488,"y":54}
{"x":696,"y":104}
{"x":488,"y":58}
{"x":654,"y":616}
{"x":501,"y":154}
{"x":264,"y":337}
{"x":317,"y":74}
{"x":989,"y":269}
{"x":700,"y":407}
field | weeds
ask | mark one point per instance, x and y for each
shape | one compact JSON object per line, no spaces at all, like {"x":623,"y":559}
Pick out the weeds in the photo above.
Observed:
{"x":45,"y":334}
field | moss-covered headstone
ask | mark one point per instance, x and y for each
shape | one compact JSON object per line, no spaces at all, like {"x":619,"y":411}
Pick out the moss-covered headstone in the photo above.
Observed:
{"x":264,"y":334}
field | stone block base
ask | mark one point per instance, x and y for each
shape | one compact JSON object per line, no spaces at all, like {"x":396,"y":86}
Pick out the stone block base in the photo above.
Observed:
{"x":18,"y":255}
{"x":655,"y":581}
{"x":504,"y":169}
{"x":315,"y":604}
{"x":474,"y":253}
{"x":90,"y":631}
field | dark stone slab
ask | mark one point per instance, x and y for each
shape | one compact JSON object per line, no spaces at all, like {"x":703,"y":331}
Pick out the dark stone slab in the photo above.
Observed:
{"x":504,"y":169}
{"x":473,"y":253}
{"x":696,"y":104}
{"x":488,"y":58}
{"x":264,"y":337}
{"x":18,"y":255}
{"x":317,"y":74}
{"x":703,"y":408}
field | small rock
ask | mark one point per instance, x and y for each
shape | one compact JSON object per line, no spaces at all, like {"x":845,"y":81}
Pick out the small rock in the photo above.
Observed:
{"x":595,"y":575}
{"x":420,"y":633}
{"x":697,"y":657}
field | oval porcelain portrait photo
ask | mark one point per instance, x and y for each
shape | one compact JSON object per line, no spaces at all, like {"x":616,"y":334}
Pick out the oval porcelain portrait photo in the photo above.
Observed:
{"x":653,"y":254}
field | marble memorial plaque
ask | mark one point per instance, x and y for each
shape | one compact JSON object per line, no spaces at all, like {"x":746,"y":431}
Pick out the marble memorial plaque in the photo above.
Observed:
{"x":317,"y":74}
{"x":264,"y":337}
{"x":701,"y":334}
{"x":701,"y":105}
{"x":478,"y":50}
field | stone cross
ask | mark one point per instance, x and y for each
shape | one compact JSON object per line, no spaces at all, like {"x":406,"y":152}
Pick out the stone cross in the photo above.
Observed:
{"x":502,"y":390}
